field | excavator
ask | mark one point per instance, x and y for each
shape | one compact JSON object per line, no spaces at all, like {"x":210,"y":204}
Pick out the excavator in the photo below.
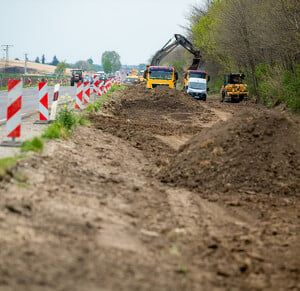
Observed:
{"x":157,"y":75}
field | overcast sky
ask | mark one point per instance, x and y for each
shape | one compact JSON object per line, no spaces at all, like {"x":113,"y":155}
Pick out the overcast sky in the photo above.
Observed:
{"x":80,"y":29}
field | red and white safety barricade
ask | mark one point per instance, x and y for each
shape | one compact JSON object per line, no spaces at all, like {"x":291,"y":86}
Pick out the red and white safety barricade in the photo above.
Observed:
{"x":101,"y":87}
{"x":43,"y":103}
{"x":105,"y":90}
{"x":95,"y":79}
{"x":96,"y":87}
{"x":14,"y":105}
{"x":29,"y":81}
{"x":86,"y":92}
{"x":79,"y":96}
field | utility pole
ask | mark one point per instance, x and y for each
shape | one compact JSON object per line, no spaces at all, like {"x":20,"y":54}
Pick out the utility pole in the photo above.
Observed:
{"x":26,"y":59}
{"x":6,"y":48}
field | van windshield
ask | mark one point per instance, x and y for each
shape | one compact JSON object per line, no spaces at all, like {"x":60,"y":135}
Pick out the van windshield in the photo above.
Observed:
{"x":196,"y":85}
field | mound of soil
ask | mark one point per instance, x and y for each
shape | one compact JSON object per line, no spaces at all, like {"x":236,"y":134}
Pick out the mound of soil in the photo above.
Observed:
{"x":139,"y":116}
{"x":251,"y":152}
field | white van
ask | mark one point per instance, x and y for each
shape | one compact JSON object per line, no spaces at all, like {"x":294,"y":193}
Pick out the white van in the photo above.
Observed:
{"x":197,"y":88}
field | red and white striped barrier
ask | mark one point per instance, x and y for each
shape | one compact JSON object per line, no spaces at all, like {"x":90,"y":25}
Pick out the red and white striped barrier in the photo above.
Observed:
{"x":86,"y":92}
{"x":14,"y":106}
{"x":43,"y":103}
{"x":29,"y":81}
{"x":95,"y":79}
{"x":96,"y":87}
{"x":79,"y":95}
{"x":105,"y":87}
{"x":101,"y":87}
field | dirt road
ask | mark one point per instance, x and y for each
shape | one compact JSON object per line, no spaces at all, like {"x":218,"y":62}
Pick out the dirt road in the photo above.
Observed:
{"x":162,"y":192}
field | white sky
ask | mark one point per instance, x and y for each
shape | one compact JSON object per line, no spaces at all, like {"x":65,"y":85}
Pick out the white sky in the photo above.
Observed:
{"x":80,"y":29}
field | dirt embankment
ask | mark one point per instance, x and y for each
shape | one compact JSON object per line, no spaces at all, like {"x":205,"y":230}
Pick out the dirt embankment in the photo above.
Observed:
{"x":92,"y":213}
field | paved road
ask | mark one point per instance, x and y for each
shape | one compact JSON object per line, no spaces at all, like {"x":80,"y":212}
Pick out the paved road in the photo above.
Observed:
{"x":30,"y":99}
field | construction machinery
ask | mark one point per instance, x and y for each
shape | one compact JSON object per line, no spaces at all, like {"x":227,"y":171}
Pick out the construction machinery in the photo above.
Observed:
{"x":161,"y":76}
{"x":76,"y":76}
{"x":234,"y":89}
{"x":164,"y":51}
{"x":188,"y":74}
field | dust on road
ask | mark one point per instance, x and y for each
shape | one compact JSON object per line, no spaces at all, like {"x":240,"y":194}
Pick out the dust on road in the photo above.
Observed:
{"x":158,"y":194}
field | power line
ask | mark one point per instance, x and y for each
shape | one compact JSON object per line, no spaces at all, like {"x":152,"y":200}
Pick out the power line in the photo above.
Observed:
{"x":6,"y":49}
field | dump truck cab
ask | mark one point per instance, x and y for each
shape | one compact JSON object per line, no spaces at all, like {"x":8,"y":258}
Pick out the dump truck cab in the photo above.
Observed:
{"x":234,"y":89}
{"x":161,"y":76}
{"x":194,"y":74}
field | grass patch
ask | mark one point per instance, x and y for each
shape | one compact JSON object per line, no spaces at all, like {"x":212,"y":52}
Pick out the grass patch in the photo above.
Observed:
{"x":64,"y":125}
{"x":35,"y":145}
{"x":55,"y":130}
{"x":8,"y":163}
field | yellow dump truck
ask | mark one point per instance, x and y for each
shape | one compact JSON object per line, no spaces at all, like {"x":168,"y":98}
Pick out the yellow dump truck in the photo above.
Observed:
{"x":161,"y":76}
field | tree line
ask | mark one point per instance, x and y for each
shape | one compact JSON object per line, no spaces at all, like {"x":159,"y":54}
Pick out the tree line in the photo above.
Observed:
{"x":260,"y":38}
{"x":110,"y":63}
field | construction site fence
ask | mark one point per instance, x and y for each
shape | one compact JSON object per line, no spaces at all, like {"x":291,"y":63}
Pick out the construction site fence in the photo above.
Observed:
{"x":32,"y":80}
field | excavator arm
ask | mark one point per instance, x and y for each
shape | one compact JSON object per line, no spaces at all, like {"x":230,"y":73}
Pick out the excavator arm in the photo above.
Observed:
{"x":169,"y":46}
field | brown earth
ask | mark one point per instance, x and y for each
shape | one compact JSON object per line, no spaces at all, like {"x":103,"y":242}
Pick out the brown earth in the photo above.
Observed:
{"x":162,"y":192}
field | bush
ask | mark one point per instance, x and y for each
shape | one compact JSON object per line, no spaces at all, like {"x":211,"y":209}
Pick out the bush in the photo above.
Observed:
{"x":64,"y":124}
{"x":66,"y":118}
{"x":277,"y":85}
{"x":34,"y":145}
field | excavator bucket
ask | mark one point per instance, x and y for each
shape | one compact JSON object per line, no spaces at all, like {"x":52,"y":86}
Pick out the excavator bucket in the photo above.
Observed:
{"x":196,"y":64}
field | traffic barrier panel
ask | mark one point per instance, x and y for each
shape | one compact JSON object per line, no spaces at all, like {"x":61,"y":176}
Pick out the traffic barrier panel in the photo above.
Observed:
{"x":79,"y":95}
{"x":86,"y":92}
{"x":101,"y":87}
{"x":95,"y":79}
{"x":14,"y":106}
{"x":29,"y":81}
{"x":56,"y":92}
{"x":55,"y":102}
{"x":105,"y":86}
{"x":43,"y":104}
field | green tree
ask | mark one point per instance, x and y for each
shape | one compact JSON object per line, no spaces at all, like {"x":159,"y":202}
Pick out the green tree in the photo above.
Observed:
{"x":55,"y":61}
{"x":61,"y":68}
{"x":37,"y":60}
{"x":111,"y":61}
{"x":43,"y":59}
{"x":84,"y":65}
{"x":107,"y":66}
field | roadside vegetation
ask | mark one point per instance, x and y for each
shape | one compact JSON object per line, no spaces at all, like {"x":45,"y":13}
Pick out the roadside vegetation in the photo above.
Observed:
{"x":97,"y":104}
{"x":258,"y":38}
{"x":36,"y":145}
{"x":64,"y":125}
